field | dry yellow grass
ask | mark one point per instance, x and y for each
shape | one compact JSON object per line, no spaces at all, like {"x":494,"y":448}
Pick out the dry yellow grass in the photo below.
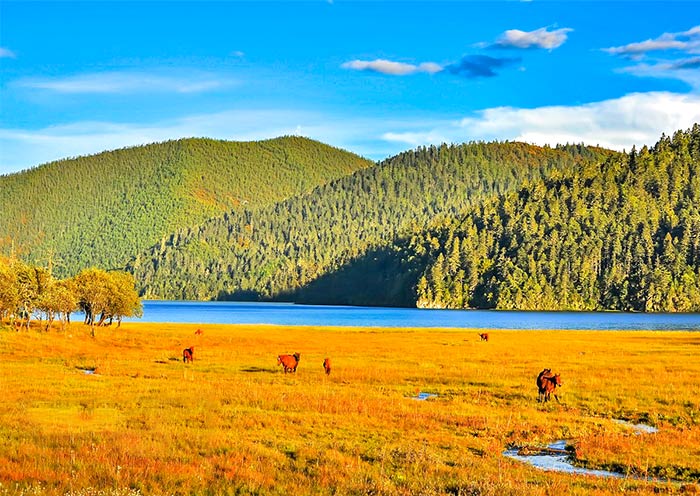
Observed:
{"x":233,"y":423}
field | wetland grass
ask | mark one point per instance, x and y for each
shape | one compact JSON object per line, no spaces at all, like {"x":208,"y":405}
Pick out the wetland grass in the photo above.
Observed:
{"x":233,"y":423}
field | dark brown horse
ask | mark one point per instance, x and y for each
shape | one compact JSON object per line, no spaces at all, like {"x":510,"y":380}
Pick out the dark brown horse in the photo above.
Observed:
{"x":327,"y":365}
{"x":484,"y":336}
{"x":198,"y":332}
{"x":188,"y":354}
{"x":547,"y":383}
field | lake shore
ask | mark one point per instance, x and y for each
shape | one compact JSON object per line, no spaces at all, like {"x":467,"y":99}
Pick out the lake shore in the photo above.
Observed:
{"x":233,"y":422}
{"x":227,"y":312}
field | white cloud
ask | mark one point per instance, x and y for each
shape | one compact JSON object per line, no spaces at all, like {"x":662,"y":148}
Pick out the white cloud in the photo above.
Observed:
{"x":539,"y":38}
{"x":635,"y":119}
{"x":392,"y":68}
{"x":6,"y":53}
{"x":127,"y":82}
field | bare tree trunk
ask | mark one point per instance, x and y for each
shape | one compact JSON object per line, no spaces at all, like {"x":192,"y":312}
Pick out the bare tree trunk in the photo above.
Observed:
{"x":92,"y":325}
{"x":103,"y":317}
{"x":49,"y":320}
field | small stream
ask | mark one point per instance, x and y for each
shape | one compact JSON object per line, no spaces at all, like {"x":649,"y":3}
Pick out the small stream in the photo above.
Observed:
{"x":556,"y":458}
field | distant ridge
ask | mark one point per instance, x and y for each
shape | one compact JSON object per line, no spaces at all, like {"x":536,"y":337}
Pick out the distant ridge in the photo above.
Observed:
{"x":336,"y":243}
{"x":100,"y":210}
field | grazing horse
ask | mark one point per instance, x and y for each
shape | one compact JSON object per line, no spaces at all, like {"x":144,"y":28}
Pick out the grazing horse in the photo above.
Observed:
{"x":289,"y":362}
{"x":484,"y":336}
{"x":198,"y":332}
{"x":547,"y":384}
{"x":540,"y":383}
{"x":188,"y":354}
{"x":327,"y":365}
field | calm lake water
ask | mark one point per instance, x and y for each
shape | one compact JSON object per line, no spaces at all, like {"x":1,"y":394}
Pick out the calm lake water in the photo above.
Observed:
{"x":316,"y":315}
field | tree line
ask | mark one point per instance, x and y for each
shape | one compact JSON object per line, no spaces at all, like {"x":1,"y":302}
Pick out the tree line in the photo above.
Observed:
{"x":28,"y":291}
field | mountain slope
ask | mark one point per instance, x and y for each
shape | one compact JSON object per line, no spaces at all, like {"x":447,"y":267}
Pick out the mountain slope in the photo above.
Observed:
{"x":276,"y":251}
{"x":621,"y":235}
{"x":103,"y":209}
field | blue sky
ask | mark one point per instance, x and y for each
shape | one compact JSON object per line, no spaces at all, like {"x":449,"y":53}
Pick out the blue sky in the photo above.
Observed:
{"x":375,"y":78}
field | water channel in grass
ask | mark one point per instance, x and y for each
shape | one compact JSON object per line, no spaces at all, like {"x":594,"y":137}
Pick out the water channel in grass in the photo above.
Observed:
{"x":555,"y":457}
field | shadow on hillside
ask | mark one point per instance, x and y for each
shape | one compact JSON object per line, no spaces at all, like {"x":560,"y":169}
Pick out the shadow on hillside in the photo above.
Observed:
{"x":240,"y":295}
{"x":381,"y":277}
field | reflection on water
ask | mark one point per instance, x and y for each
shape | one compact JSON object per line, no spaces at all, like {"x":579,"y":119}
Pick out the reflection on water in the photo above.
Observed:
{"x":424,"y":396}
{"x":638,"y":428}
{"x":224,"y":312}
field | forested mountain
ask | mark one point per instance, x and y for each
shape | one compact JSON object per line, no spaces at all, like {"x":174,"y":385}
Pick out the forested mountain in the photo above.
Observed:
{"x":101,"y":210}
{"x":622,"y":235}
{"x":335,"y":244}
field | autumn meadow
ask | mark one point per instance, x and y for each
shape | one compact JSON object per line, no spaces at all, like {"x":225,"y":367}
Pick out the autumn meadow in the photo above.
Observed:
{"x":121,"y":414}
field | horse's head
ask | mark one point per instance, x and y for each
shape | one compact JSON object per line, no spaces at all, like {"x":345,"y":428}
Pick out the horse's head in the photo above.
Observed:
{"x":557,"y":379}
{"x":296,"y":356}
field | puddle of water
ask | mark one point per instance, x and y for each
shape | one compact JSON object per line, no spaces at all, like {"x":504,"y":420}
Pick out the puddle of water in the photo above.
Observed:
{"x":557,"y":460}
{"x":88,"y":371}
{"x":424,"y":396}
{"x":638,"y":428}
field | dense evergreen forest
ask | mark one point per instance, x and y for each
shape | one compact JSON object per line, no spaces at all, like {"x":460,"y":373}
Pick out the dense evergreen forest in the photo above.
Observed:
{"x":337,"y":243}
{"x":479,"y":225}
{"x":623,"y":234}
{"x":103,"y":209}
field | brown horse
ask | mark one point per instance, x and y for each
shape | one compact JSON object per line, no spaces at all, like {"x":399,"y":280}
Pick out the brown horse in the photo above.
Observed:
{"x":547,"y":384}
{"x":327,"y":365}
{"x":289,"y":362}
{"x":198,"y":332}
{"x":188,"y":354}
{"x":484,"y":336}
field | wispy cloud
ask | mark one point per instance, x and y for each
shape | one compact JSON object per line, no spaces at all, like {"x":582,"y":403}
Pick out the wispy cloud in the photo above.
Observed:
{"x":539,"y":38}
{"x":6,"y":53}
{"x":685,"y":41}
{"x":392,"y":68}
{"x":470,"y":66}
{"x":23,"y":148}
{"x":127,"y":82}
{"x":635,"y":119}
{"x":686,"y":70}
{"x":474,"y":66}
{"x":674,"y":57}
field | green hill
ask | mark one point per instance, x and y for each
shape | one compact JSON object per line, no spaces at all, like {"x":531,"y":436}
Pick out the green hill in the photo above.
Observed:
{"x":620,"y":235}
{"x":101,"y":210}
{"x":342,"y":232}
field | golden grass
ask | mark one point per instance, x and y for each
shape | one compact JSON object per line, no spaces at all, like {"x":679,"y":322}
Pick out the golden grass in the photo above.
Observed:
{"x":233,"y":423}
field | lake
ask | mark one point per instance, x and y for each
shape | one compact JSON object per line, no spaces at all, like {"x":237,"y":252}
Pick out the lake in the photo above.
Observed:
{"x":197,"y":312}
